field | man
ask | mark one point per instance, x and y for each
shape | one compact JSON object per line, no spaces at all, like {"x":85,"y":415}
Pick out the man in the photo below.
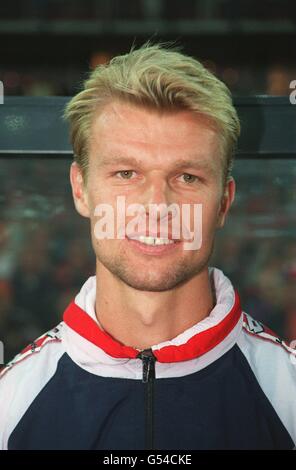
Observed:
{"x":155,"y":351}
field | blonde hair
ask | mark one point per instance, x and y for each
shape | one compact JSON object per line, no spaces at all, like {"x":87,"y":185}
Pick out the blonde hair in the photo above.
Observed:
{"x":160,"y":77}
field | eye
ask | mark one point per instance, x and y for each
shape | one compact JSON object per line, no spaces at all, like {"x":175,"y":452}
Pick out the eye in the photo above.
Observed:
{"x":188,"y":178}
{"x":125,"y":174}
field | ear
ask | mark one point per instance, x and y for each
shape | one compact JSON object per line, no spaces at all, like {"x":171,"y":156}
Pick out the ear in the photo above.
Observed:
{"x":226,"y":201}
{"x":79,"y":190}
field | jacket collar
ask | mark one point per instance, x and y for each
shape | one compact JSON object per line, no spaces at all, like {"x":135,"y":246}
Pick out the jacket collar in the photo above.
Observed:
{"x":211,"y":334}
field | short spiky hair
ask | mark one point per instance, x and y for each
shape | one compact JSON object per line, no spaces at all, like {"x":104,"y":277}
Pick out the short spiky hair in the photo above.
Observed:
{"x":157,"y":76}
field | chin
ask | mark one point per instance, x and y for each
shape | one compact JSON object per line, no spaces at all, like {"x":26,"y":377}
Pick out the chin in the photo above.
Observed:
{"x":151,"y":286}
{"x":154,"y":282}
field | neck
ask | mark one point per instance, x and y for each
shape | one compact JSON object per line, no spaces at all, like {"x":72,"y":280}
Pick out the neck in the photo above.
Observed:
{"x":141,"y":319}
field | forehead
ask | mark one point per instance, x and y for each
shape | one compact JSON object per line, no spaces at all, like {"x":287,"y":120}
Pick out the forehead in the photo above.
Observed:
{"x":123,"y":129}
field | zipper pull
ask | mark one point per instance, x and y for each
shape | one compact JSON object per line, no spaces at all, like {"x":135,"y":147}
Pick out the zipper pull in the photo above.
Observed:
{"x":148,"y":359}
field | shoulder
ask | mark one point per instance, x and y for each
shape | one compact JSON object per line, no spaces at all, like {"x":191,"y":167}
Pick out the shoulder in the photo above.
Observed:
{"x":257,"y":337}
{"x":30,"y":351}
{"x":273,"y":363}
{"x":23,"y":378}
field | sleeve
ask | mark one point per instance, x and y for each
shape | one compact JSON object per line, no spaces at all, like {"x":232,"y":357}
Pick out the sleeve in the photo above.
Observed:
{"x":23,"y":379}
{"x":274,"y":364}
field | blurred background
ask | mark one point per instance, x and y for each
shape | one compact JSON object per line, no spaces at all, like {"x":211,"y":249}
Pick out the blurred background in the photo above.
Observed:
{"x":47,"y":48}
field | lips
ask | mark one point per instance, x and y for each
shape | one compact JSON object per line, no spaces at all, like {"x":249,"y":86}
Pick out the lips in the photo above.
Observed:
{"x":138,"y":235}
{"x":152,"y":250}
{"x":153,"y":241}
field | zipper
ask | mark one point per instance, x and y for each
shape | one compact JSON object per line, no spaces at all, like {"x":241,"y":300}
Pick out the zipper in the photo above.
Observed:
{"x":148,"y":360}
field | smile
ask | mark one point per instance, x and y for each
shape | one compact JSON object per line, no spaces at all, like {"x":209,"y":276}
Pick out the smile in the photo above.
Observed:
{"x":153,"y":245}
{"x":153,"y":240}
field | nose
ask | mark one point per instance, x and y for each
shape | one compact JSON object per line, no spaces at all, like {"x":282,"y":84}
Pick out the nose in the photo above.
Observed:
{"x":156,"y":199}
{"x":156,"y":192}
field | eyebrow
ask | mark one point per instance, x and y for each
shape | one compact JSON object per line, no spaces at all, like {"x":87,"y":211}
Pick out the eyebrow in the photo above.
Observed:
{"x":179,"y":164}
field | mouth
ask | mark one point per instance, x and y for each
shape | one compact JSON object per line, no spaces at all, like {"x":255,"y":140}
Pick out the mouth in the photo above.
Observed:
{"x":153,"y":245}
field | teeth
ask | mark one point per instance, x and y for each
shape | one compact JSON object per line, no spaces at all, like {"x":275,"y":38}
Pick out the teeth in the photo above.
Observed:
{"x":153,"y":240}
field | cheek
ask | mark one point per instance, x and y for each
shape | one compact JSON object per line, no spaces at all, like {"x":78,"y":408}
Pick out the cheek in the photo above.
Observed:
{"x":210,"y":212}
{"x":100,"y":194}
